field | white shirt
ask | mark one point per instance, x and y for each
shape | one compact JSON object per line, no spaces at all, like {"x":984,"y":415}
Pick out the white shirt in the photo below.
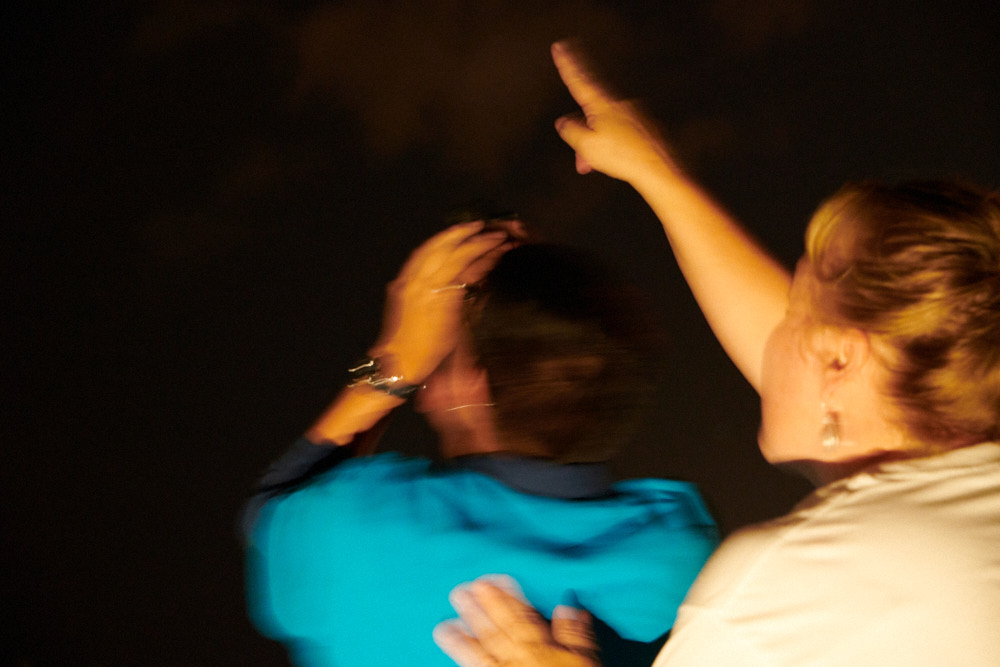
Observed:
{"x":896,"y":565}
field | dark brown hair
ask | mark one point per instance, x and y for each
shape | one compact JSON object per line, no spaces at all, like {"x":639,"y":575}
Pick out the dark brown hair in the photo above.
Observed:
{"x":567,"y":350}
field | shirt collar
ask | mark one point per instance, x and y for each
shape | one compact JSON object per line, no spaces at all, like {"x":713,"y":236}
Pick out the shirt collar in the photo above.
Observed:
{"x":539,"y":477}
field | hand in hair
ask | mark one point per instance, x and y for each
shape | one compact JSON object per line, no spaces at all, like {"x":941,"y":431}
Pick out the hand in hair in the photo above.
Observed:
{"x":501,"y":628}
{"x":421,"y":324}
{"x":423,"y":312}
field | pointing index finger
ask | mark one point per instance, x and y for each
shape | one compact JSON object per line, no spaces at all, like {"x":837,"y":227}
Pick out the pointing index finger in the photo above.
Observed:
{"x":587,"y":93}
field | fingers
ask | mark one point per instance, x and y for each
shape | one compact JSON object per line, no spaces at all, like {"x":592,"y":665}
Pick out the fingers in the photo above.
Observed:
{"x":573,"y":129}
{"x":507,"y":583}
{"x":510,"y":232}
{"x":581,"y":86}
{"x":437,"y":244}
{"x":444,"y":255}
{"x":487,"y":638}
{"x":501,"y":622}
{"x":497,"y":617}
{"x":422,"y":316}
{"x":461,"y":647}
{"x":477,"y":269}
{"x":574,"y":629}
{"x":518,"y":620}
{"x":470,"y":260}
{"x":460,"y":254}
{"x":499,"y":627}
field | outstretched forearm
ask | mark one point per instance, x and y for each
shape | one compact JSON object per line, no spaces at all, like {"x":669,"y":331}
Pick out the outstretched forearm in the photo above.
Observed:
{"x":741,"y":289}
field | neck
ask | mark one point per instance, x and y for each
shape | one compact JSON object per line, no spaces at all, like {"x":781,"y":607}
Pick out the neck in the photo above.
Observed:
{"x":455,"y":444}
{"x":821,"y":473}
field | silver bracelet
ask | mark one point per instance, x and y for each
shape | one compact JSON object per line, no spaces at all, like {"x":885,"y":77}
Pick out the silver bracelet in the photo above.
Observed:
{"x":368,"y":371}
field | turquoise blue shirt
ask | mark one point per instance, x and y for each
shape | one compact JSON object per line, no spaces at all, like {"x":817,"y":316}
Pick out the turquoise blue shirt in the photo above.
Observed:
{"x":355,"y":567}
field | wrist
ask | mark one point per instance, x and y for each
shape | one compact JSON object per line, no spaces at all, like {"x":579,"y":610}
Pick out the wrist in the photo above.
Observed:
{"x":379,"y":374}
{"x":655,"y":173}
{"x":355,"y":410}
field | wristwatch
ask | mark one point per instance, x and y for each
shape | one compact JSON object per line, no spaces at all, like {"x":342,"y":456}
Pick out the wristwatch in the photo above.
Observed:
{"x":368,"y":371}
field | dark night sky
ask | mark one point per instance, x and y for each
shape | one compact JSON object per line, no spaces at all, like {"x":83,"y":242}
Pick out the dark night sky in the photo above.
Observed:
{"x":204,"y":200}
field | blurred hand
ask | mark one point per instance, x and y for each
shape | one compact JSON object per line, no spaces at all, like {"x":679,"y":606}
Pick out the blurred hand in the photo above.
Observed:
{"x":610,"y":136}
{"x":499,"y":627}
{"x":423,"y":313}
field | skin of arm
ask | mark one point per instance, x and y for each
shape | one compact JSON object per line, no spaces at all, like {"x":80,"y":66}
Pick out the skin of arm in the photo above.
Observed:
{"x":355,"y":410}
{"x":420,"y":326}
{"x":741,"y":289}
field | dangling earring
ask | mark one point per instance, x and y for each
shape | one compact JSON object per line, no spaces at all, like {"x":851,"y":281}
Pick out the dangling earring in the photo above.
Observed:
{"x":829,"y":434}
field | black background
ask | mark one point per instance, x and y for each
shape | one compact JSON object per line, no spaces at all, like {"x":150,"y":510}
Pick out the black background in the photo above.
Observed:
{"x":203,"y":201}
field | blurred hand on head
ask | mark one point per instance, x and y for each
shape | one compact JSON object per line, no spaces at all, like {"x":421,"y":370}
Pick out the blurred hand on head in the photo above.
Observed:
{"x":423,"y":312}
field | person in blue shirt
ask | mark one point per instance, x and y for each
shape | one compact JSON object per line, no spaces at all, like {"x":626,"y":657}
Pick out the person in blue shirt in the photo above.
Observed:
{"x":531,"y":363}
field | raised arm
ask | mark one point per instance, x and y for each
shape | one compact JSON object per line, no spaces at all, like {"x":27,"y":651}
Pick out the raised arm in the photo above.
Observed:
{"x":741,"y":289}
{"x":420,"y":326}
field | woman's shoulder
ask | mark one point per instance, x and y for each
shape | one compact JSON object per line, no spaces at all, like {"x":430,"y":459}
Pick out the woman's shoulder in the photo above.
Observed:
{"x":955,"y":488}
{"x":944,"y":511}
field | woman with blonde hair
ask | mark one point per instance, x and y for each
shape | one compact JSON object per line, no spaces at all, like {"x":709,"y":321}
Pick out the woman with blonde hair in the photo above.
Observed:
{"x":878,"y":367}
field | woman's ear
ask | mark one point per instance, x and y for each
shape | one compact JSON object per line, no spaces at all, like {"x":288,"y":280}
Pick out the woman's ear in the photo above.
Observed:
{"x":843,"y":352}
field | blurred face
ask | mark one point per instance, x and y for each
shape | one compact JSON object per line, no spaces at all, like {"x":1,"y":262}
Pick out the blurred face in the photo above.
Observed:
{"x":455,"y":401}
{"x":792,"y":381}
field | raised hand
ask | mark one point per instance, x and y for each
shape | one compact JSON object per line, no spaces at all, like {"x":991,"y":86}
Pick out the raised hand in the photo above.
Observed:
{"x":423,"y":312}
{"x":741,"y":289}
{"x":610,"y":136}
{"x":499,"y":627}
